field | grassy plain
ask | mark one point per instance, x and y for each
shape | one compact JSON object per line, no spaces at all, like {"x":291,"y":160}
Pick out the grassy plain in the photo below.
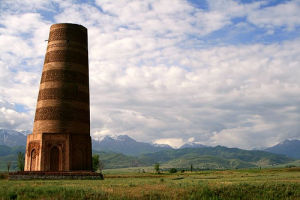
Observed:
{"x":249,"y":184}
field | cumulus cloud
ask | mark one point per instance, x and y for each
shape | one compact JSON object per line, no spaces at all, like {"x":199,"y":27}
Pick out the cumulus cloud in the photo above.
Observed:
{"x":173,"y":142}
{"x":283,"y":15}
{"x":154,"y":74}
{"x":11,"y":119}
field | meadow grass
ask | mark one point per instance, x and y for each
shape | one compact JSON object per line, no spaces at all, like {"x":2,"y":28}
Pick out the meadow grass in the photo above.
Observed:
{"x":227,"y":184}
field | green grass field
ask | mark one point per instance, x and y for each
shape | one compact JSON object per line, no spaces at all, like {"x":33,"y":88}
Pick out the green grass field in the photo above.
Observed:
{"x":273,"y":183}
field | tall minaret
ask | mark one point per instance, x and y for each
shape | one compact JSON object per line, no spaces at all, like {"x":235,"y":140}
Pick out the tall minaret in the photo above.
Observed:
{"x":61,"y":134}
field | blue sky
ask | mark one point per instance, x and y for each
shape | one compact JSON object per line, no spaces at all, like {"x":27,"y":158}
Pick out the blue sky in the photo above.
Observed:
{"x":220,"y":72}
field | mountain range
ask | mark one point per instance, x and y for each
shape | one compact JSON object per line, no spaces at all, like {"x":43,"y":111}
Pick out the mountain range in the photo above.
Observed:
{"x":126,"y":145}
{"x":12,"y":138}
{"x":123,"y":151}
{"x":290,"y":148}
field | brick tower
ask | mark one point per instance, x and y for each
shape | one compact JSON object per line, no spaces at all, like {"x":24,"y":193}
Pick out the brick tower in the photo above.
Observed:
{"x":61,"y":134}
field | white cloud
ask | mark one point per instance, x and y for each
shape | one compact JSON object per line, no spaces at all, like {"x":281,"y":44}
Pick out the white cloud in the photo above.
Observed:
{"x":192,"y":139}
{"x":11,"y":119}
{"x":173,"y":142}
{"x":152,"y":80}
{"x":285,"y":14}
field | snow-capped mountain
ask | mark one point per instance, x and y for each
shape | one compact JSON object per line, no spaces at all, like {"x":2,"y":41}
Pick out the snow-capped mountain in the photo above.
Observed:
{"x":126,"y":145}
{"x":12,"y":138}
{"x":25,"y":132}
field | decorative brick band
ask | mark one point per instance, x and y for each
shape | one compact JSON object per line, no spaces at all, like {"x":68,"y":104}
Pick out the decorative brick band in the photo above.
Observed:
{"x":66,"y":66}
{"x":77,"y":35}
{"x":66,"y":56}
{"x":65,"y":76}
{"x":68,"y":45}
{"x":70,"y":93}
{"x":66,"y":113}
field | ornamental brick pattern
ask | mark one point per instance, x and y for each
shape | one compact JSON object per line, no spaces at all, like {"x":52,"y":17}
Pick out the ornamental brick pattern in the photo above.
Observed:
{"x":65,"y":76}
{"x":61,"y":133}
{"x":69,"y":93}
{"x":66,"y":56}
{"x":65,"y":113}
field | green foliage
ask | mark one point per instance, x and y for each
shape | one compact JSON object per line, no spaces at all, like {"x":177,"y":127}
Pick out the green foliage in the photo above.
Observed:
{"x":111,"y":160}
{"x":250,"y":184}
{"x":173,"y":170}
{"x":156,"y":167}
{"x":21,"y":161}
{"x":96,"y":161}
{"x":9,"y":154}
{"x":248,"y":192}
{"x":214,"y":158}
{"x":8,"y":166}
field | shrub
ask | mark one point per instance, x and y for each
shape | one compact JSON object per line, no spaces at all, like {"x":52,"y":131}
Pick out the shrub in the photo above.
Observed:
{"x":95,"y":162}
{"x":156,"y":167}
{"x":3,"y":175}
{"x":21,"y":161}
{"x":173,"y":170}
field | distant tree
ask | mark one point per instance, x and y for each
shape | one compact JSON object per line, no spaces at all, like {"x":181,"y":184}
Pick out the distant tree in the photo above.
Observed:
{"x":101,"y":165}
{"x":8,"y":166}
{"x":192,"y":168}
{"x":156,"y":167}
{"x":173,"y":170}
{"x":96,"y":162}
{"x":21,"y":161}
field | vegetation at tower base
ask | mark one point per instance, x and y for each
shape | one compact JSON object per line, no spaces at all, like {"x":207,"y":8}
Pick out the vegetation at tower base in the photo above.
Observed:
{"x":21,"y":160}
{"x":96,"y":162}
{"x":247,"y":184}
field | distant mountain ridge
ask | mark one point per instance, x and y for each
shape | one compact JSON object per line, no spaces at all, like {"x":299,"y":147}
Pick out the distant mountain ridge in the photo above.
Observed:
{"x":201,"y":158}
{"x":12,"y":138}
{"x":192,"y":145}
{"x":119,"y":144}
{"x":123,"y":151}
{"x":126,"y":145}
{"x":290,"y":148}
{"x":214,"y":157}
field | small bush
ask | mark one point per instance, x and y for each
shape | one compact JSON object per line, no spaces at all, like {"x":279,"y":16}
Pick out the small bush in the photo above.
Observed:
{"x":173,"y":170}
{"x":3,"y":175}
{"x":156,"y":167}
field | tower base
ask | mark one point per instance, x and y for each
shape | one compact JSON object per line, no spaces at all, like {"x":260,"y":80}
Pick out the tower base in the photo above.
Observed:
{"x":58,"y":152}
